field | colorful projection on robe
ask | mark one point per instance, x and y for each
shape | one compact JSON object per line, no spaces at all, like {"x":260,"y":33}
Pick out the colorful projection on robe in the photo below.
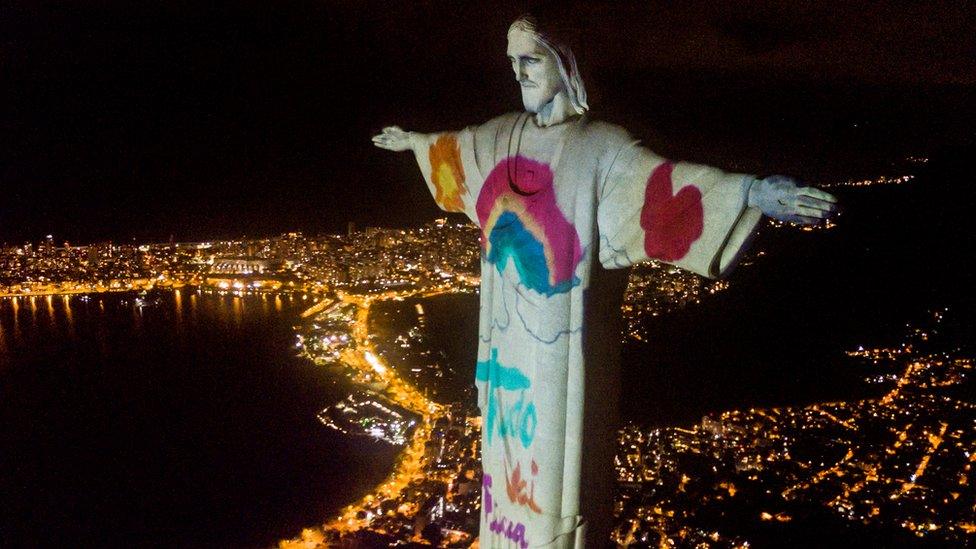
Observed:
{"x":671,"y":222}
{"x":507,"y":417}
{"x":447,"y":173}
{"x":521,"y":222}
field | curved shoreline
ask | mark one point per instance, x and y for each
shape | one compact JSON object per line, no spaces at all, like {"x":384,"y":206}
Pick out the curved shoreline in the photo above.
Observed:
{"x":368,"y":367}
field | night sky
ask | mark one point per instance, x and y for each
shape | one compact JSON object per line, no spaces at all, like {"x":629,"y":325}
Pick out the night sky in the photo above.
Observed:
{"x":122,"y":120}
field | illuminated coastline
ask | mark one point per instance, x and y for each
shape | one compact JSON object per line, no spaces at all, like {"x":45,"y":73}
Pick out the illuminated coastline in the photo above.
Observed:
{"x":367,"y":368}
{"x":892,"y":461}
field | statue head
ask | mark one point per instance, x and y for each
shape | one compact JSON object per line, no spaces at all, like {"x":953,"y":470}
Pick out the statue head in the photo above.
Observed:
{"x":544,"y":66}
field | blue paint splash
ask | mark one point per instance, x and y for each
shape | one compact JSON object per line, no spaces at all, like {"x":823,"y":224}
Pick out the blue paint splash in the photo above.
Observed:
{"x":510,"y":239}
{"x":501,"y":377}
{"x":520,"y":419}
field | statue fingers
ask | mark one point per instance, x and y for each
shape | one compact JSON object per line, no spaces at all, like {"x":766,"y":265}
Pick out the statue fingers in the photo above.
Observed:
{"x":814,"y":192}
{"x":384,"y":142}
{"x":816,"y":203}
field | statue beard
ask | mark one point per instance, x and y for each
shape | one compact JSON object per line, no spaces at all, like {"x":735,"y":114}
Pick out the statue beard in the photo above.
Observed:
{"x":533,"y":100}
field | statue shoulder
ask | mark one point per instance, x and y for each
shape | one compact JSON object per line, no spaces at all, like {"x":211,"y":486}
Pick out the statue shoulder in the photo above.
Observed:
{"x":608,"y":138}
{"x":613,"y":134}
{"x":503,"y":120}
{"x":488,"y":130}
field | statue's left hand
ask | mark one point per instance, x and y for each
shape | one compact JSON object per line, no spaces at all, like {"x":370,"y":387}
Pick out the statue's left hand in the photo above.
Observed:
{"x":781,"y":198}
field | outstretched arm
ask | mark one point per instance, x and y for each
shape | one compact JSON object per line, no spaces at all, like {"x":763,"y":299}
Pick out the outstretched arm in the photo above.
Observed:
{"x":446,"y":160}
{"x":695,"y":217}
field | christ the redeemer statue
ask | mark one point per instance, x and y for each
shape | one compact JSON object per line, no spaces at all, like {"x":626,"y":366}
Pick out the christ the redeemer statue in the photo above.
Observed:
{"x":564,"y":203}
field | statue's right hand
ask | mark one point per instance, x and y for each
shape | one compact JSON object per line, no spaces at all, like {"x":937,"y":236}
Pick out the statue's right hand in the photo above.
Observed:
{"x":394,"y":138}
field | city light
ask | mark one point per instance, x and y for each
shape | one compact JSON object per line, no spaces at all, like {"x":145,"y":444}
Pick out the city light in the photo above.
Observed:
{"x":904,"y":458}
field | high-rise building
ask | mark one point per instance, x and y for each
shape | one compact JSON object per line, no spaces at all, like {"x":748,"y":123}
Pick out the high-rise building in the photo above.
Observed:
{"x":49,"y":245}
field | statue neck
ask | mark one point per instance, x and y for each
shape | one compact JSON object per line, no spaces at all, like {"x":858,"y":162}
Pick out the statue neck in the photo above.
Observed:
{"x":557,"y":111}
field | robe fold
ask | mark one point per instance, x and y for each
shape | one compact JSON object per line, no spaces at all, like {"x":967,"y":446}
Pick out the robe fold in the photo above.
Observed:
{"x":562,"y":210}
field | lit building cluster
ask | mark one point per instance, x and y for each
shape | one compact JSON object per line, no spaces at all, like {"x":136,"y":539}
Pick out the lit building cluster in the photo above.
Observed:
{"x":50,"y":269}
{"x":825,"y":226}
{"x":902,"y":461}
{"x":908,"y":163}
{"x":883,"y":180}
{"x":378,"y":260}
{"x":372,"y":260}
{"x":323,"y":340}
{"x":368,"y":414}
{"x":656,"y":288}
{"x":439,"y":505}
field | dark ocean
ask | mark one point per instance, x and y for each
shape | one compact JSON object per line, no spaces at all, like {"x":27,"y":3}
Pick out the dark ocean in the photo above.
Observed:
{"x":184,"y":423}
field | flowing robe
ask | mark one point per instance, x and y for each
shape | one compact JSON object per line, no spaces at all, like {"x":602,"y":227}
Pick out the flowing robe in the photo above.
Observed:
{"x":562,"y":209}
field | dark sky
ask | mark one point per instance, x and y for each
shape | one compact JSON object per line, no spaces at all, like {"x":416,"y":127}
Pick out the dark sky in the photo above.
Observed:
{"x":125,"y":120}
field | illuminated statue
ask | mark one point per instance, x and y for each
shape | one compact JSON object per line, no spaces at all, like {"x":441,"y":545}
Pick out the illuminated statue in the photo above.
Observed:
{"x":564,"y":202}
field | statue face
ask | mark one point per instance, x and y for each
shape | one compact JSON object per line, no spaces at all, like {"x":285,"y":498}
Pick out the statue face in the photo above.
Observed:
{"x":535,"y":69}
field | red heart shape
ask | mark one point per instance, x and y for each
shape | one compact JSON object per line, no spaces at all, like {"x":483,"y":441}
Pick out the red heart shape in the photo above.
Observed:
{"x":671,"y":222}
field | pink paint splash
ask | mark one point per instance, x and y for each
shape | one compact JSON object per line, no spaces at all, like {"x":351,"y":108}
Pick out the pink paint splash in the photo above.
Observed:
{"x":671,"y":222}
{"x":535,"y":207}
